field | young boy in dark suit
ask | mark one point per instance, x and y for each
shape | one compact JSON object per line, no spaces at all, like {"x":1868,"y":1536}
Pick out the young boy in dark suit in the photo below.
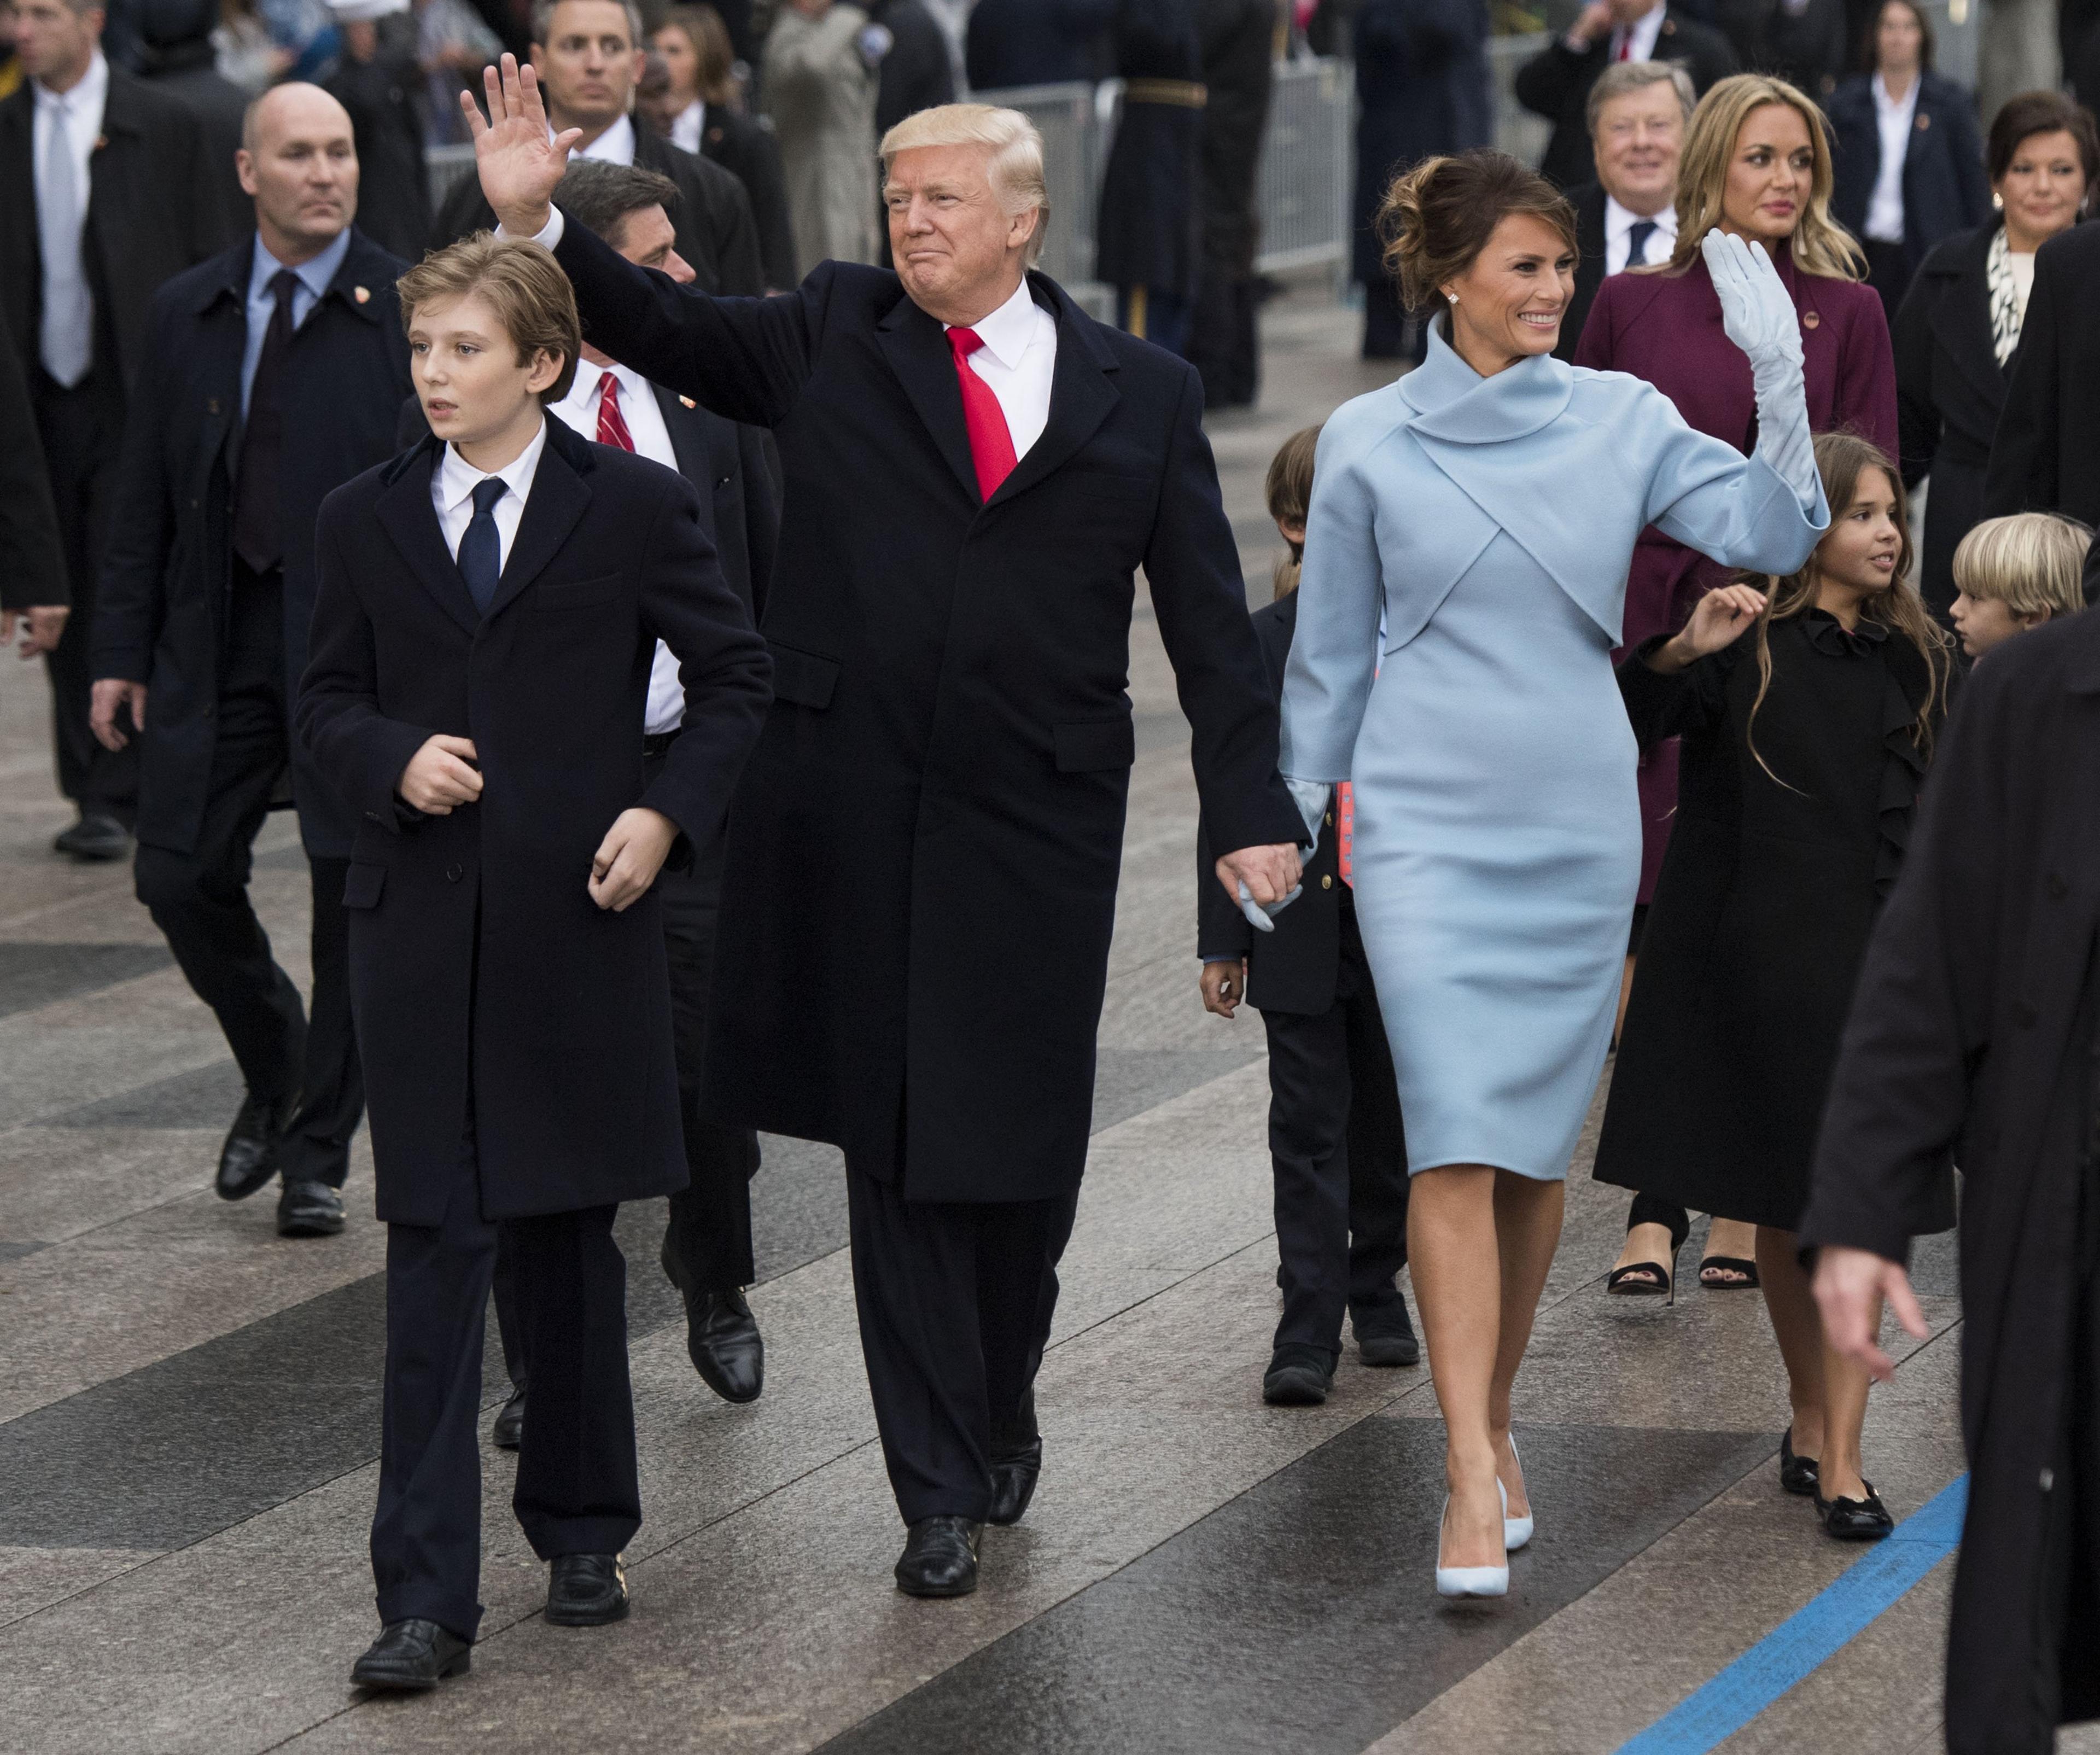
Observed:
{"x":489,"y":604}
{"x":1334,"y":1135}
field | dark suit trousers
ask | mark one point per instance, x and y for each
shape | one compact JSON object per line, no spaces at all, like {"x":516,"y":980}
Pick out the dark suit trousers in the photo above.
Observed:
{"x":578,"y":1490}
{"x":1339,"y":1157}
{"x":81,"y":430}
{"x":954,"y":1300}
{"x":199,"y":901}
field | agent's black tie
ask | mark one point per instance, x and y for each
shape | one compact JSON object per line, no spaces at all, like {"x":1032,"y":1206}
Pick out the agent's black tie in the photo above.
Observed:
{"x":1637,"y":237}
{"x":481,"y":550}
{"x":257,"y":537}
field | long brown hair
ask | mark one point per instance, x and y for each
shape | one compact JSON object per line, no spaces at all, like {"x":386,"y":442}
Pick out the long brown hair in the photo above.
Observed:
{"x":1841,"y":460}
{"x":1819,"y":244}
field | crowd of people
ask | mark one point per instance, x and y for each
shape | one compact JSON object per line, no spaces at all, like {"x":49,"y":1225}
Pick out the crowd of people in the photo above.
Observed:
{"x":684,"y":589}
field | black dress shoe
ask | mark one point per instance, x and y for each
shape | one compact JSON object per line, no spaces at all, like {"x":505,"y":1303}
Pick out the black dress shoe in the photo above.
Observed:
{"x":939,"y":1557}
{"x":309,"y":1209}
{"x":509,"y":1432}
{"x":1013,"y":1477}
{"x":1298,"y":1376}
{"x":1797,"y":1474}
{"x":96,"y":836}
{"x":721,"y":1337}
{"x":248,"y":1158}
{"x":1385,"y":1336}
{"x":585,"y":1589}
{"x":412,"y":1657}
{"x":1866,"y":1520}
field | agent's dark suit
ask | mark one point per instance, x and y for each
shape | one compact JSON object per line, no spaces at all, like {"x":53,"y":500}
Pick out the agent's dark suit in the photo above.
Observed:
{"x":1555,"y":83}
{"x":2045,"y":456}
{"x":748,"y":153}
{"x":31,"y":559}
{"x":153,"y":210}
{"x":1589,"y":204}
{"x":220,"y":651}
{"x":1334,"y":1134}
{"x":937,"y":800}
{"x":716,"y":231}
{"x":516,"y":1038}
{"x":1944,"y":187}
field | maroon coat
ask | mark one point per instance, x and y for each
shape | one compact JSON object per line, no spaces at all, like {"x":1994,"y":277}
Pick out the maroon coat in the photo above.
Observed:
{"x":1667,"y":328}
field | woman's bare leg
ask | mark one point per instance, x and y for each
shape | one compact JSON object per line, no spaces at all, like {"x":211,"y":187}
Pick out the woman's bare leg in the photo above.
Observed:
{"x":1798,"y":1328}
{"x":1455,"y":1260}
{"x":1844,"y":1421}
{"x":1731,"y":1237}
{"x":1527,"y":1216}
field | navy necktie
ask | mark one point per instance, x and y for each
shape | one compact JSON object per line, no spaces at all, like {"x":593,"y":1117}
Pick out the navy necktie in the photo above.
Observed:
{"x":481,"y":550}
{"x":1637,"y":237}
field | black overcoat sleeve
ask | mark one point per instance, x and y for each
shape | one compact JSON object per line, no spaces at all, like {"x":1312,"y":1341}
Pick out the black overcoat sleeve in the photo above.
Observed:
{"x":1545,"y":83}
{"x":2024,"y":467}
{"x":358,"y":750}
{"x":722,"y":666}
{"x":1917,"y":414}
{"x":744,"y":359}
{"x":1920,"y":1023}
{"x":129,"y":606}
{"x":761,"y":516}
{"x":1675,"y":703}
{"x":732,"y":232}
{"x":1221,"y":929}
{"x":32,"y":563}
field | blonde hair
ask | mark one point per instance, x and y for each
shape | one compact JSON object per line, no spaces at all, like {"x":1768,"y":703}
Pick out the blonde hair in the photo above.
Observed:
{"x":531,"y":295}
{"x":1841,"y":460}
{"x":1289,"y":489}
{"x":1014,"y":166}
{"x":1820,"y":246}
{"x":2033,"y":563}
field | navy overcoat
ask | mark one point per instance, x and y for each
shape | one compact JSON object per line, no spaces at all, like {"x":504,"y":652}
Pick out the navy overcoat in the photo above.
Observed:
{"x":168,"y":567}
{"x":924,"y":854}
{"x":487,"y":985}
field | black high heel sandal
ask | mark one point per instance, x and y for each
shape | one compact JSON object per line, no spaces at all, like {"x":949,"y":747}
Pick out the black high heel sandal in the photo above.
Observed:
{"x":1729,"y":1264}
{"x":1635,"y":1279}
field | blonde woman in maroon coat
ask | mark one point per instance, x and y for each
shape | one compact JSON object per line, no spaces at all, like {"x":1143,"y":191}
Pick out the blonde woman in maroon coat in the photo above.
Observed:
{"x":1757,"y":163}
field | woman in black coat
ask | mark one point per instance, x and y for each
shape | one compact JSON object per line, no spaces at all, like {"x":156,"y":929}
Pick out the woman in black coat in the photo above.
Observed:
{"x":1803,"y":747}
{"x":1974,"y":1030}
{"x":1962,"y":317}
{"x":1942,"y":189}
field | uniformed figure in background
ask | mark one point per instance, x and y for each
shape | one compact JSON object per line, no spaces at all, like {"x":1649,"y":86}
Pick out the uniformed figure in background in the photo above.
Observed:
{"x":1148,"y":234}
{"x":1238,"y":40}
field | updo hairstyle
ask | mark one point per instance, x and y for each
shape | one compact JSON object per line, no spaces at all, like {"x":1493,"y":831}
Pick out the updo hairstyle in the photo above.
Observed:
{"x":1438,"y":216}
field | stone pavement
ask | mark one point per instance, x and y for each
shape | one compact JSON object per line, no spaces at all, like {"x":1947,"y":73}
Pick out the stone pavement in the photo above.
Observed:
{"x":189,"y":1414}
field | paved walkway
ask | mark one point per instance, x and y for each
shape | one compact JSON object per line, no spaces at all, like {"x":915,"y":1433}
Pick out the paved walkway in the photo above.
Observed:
{"x":189,"y":1416}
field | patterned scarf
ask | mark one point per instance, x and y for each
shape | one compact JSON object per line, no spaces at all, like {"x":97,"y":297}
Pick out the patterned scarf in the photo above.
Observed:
{"x":2007,"y":311}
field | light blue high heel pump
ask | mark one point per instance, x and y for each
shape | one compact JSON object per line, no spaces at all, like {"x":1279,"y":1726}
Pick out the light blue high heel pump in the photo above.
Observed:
{"x":1517,"y":1531}
{"x":1467,"y":1580}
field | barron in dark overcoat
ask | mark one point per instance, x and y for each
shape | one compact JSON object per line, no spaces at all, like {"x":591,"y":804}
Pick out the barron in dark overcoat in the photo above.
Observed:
{"x":574,"y":1097}
{"x":937,"y":799}
{"x":1949,"y":390}
{"x":1973,"y":1030}
{"x":2046,"y":455}
{"x":1944,"y":187}
{"x":168,"y":569}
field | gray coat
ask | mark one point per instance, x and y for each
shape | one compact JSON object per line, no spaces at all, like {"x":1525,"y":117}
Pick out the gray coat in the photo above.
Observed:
{"x":820,"y":91}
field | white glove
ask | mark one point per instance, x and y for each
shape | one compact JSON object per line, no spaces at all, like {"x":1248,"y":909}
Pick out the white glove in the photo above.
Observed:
{"x":1311,"y":798}
{"x":1758,"y":315}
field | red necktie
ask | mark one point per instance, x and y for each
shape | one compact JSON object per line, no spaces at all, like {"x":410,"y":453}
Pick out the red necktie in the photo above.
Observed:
{"x":991,"y":445}
{"x":1626,"y":45}
{"x":611,"y":423}
{"x":1345,"y":814}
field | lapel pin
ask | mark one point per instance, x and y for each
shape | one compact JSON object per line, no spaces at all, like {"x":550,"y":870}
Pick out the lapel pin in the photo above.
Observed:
{"x":211,"y":405}
{"x":1924,"y":123}
{"x":688,"y":402}
{"x":101,"y":140}
{"x":1810,"y":319}
{"x":362,"y":294}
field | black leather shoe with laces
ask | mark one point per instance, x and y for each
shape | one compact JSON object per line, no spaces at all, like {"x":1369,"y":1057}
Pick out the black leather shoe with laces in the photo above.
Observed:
{"x":248,"y":1158}
{"x":939,"y":1557}
{"x":309,"y":1209}
{"x":509,"y":1432}
{"x":721,"y":1336}
{"x":1013,"y":1477}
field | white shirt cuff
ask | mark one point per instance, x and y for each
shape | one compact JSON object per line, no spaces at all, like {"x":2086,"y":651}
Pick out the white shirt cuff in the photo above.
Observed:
{"x":549,"y":235}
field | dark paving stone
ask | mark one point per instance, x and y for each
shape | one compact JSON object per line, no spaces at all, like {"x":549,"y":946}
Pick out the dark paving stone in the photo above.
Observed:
{"x":208,"y":1097}
{"x":16,"y":1251}
{"x":1127,"y":1081}
{"x":1303,"y":1616}
{"x":37,"y":975}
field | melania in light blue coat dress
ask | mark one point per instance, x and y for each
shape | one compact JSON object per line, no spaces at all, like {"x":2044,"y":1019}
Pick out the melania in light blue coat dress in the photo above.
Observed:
{"x":1487,"y":524}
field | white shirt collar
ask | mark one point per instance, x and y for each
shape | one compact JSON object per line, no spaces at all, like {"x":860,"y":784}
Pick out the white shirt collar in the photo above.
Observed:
{"x":87,"y":98}
{"x":1642,"y":33}
{"x":583,"y":394}
{"x":1885,"y":105}
{"x":1007,"y":331}
{"x":458,"y":479}
{"x":615,"y":146}
{"x":1619,"y":221}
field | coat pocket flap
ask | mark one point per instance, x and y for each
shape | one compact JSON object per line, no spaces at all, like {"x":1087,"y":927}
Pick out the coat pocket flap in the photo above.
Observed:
{"x":361,"y":886}
{"x":1099,"y":744}
{"x":802,"y":678}
{"x":578,"y":593}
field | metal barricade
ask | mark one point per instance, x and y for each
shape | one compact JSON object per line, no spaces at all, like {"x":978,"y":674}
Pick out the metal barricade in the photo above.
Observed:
{"x":443,"y":167}
{"x":1302,"y":193}
{"x":1072,"y":149}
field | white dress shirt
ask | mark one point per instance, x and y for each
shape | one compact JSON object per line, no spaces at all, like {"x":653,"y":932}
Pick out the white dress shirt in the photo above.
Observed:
{"x":1018,"y":360}
{"x":1619,"y":222}
{"x":1885,"y":206}
{"x":314,"y":276}
{"x":686,"y":126}
{"x":452,"y":484}
{"x":644,"y":416}
{"x":1636,"y":41}
{"x":615,"y":146}
{"x":69,"y":122}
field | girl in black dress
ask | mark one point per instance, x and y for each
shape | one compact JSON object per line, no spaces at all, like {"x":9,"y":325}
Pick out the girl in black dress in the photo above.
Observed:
{"x":1804,"y":745}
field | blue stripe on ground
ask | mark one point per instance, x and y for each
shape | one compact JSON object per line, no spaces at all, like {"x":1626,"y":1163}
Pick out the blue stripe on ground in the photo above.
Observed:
{"x":1810,"y":1636}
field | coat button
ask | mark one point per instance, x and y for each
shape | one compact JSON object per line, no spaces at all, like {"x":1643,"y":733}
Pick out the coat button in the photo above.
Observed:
{"x":2023,"y":1014}
{"x":208,"y":709}
{"x":1326,"y":883}
{"x":453,"y":874}
{"x":2057,"y":887}
{"x":1330,"y":819}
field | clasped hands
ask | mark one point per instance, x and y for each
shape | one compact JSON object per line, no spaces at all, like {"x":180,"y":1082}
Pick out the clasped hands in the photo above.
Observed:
{"x":441,"y":776}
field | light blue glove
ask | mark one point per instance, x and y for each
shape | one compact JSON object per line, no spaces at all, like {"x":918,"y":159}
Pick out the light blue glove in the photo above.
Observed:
{"x":1311,"y":797}
{"x":1758,"y":314}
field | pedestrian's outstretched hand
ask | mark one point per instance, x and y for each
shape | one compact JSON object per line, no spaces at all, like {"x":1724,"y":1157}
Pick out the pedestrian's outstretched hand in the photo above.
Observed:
{"x":519,"y":161}
{"x":1757,"y":310}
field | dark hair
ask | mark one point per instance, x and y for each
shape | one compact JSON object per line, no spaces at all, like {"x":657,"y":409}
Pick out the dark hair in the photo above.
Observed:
{"x":1438,"y":217}
{"x":599,"y":195}
{"x":2033,"y":112}
{"x":1870,"y":52}
{"x":702,"y":26}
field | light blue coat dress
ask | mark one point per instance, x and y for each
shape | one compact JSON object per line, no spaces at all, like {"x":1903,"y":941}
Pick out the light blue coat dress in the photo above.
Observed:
{"x":1490,"y":521}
